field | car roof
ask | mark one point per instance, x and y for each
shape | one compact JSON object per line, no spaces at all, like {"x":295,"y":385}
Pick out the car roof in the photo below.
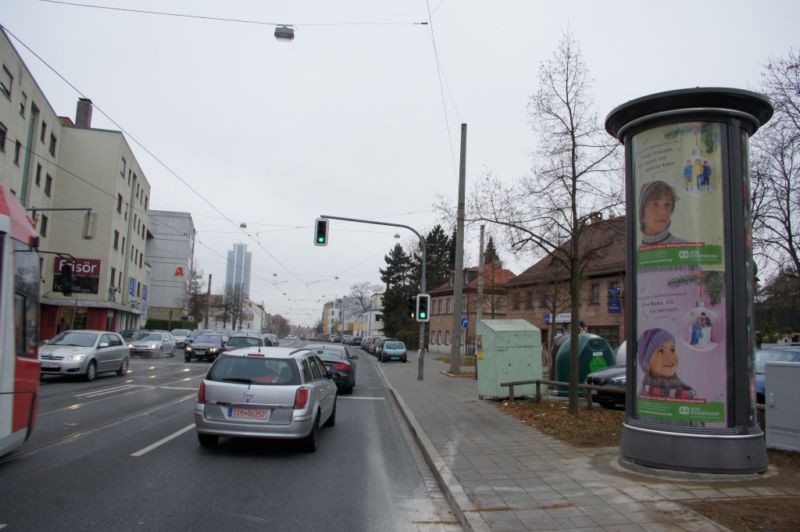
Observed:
{"x":97,"y":331}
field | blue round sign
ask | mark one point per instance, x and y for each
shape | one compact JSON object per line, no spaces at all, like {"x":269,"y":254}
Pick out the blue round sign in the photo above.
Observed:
{"x":464,"y":322}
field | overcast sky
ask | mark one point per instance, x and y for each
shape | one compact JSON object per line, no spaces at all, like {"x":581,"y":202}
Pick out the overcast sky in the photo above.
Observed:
{"x":353,"y":118}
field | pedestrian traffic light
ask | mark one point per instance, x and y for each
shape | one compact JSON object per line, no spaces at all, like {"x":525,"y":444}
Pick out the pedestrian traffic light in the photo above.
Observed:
{"x":423,"y":303}
{"x":321,"y":232}
{"x":411,"y":307}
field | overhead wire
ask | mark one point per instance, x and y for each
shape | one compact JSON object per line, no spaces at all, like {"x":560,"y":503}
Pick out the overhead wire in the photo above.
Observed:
{"x":226,"y":19}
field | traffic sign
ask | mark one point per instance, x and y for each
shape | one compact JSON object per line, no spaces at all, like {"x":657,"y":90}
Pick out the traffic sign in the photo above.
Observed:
{"x":464,"y":322}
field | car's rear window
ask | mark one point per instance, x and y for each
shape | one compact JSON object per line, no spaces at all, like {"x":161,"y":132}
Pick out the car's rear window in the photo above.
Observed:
{"x":255,"y":370}
{"x":394,"y":345}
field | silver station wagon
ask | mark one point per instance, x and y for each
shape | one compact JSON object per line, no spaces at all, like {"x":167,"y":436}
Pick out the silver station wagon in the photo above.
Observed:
{"x":265,"y":392}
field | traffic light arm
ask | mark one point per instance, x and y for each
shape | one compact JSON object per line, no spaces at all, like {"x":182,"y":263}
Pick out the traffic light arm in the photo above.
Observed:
{"x":422,"y":281}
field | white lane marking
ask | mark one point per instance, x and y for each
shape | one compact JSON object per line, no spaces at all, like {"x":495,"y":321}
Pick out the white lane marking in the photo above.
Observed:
{"x":364,"y":398}
{"x":104,"y":391}
{"x":193,"y":389}
{"x":162,"y":441}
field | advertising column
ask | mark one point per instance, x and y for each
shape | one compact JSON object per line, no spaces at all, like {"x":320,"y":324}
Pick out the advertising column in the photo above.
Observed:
{"x":690,"y":404}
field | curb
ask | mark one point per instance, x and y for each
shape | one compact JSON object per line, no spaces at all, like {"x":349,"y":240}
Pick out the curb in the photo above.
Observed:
{"x":462,"y":507}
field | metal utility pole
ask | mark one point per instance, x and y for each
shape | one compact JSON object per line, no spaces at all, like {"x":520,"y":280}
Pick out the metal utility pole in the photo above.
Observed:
{"x":458,"y":283}
{"x":479,"y":312}
{"x":208,"y":301}
{"x":422,"y":281}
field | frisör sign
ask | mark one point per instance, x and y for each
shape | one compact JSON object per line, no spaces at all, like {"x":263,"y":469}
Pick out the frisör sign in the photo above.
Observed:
{"x":85,"y":274}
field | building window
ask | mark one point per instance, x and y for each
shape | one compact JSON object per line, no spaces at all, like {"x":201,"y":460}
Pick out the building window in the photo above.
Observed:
{"x":447,"y":306}
{"x":3,"y":134}
{"x":116,"y":239}
{"x":53,"y":143}
{"x":113,"y":276}
{"x":609,"y":333}
{"x":124,"y":167}
{"x":119,"y":279}
{"x":123,"y":245}
{"x":515,"y":302}
{"x":119,"y":203}
{"x":141,"y":260}
{"x":529,"y":301}
{"x":44,"y":131}
{"x":6,"y":79}
{"x":447,"y":337}
{"x":43,"y":226}
{"x":17,"y":152}
{"x":38,"y":175}
{"x":595,"y":298}
{"x":48,"y":184}
{"x":23,"y":103}
{"x":145,"y":203}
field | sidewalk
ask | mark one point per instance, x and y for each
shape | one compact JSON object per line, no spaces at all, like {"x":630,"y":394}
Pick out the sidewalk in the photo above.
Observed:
{"x":500,"y":474}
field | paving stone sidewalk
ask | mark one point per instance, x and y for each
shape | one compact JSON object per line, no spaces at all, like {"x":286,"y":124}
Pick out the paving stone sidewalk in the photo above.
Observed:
{"x":501,"y":474}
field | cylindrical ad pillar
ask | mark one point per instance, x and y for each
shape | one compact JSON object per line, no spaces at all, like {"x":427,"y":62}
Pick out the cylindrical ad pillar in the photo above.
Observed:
{"x":690,"y":402}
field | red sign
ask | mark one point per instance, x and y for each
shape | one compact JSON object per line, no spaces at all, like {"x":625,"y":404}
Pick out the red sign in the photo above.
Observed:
{"x":179,"y":271}
{"x":80,"y":267}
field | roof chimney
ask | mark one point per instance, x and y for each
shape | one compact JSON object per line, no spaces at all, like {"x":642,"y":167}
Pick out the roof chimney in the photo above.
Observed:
{"x":83,"y":116}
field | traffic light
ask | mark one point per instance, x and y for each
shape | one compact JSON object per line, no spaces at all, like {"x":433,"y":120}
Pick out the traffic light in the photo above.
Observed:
{"x":423,"y":304}
{"x":411,"y":307}
{"x":321,"y":232}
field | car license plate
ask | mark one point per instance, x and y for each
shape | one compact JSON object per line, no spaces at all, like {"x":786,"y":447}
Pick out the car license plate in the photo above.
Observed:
{"x":594,"y":392}
{"x":50,"y":365}
{"x":261,"y":414}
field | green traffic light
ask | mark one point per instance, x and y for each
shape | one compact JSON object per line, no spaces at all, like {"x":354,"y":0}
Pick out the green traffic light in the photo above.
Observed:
{"x":423,"y":315}
{"x":320,"y":239}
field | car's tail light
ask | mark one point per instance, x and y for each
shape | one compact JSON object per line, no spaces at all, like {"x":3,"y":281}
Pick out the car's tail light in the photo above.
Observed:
{"x":340,"y":366}
{"x":201,"y":393}
{"x":301,"y":398}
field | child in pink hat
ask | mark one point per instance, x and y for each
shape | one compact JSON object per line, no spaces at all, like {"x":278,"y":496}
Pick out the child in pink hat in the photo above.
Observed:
{"x":659,"y":361}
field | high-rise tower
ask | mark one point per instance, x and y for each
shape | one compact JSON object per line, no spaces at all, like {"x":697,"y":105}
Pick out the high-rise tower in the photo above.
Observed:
{"x":238,"y":271}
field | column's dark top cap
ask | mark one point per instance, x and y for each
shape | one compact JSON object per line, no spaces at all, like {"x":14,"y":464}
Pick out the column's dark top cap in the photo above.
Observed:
{"x":756,"y":105}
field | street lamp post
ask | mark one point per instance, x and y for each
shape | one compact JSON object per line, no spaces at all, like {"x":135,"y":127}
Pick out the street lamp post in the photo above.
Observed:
{"x":422,"y":285}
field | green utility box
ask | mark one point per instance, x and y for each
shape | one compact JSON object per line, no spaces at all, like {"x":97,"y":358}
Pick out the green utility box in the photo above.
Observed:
{"x":507,"y":350}
{"x":594,"y":354}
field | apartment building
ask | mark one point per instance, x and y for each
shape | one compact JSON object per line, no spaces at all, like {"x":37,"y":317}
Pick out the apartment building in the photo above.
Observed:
{"x":107,"y":246}
{"x":30,"y":139}
{"x":540,"y":294}
{"x":170,"y":254}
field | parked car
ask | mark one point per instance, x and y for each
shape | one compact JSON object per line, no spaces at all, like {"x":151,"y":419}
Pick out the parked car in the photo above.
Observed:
{"x":278,"y":393}
{"x":207,"y":346}
{"x":771,"y":354}
{"x":153,"y":343}
{"x":378,"y":346}
{"x":613,"y":376}
{"x":393,"y":350}
{"x":181,"y":336}
{"x":84,"y":352}
{"x":340,"y":365}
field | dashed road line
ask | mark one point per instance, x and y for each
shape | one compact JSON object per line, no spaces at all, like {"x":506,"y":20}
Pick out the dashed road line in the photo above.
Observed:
{"x":162,"y":441}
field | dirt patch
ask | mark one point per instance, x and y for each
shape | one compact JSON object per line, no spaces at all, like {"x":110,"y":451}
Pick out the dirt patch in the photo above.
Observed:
{"x":600,"y":427}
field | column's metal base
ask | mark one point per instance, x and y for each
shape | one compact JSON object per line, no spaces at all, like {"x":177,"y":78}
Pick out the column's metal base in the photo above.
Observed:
{"x":701,"y":453}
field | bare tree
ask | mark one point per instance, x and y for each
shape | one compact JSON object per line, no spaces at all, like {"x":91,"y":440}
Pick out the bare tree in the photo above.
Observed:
{"x":576,"y":176}
{"x":776,"y":170}
{"x":360,"y":299}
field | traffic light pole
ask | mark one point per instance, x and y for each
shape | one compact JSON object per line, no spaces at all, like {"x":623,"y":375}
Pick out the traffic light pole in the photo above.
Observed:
{"x":422,"y":286}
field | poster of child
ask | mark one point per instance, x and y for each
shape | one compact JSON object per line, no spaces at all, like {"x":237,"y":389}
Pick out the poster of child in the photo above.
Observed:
{"x":658,"y":360}
{"x":657,"y":201}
